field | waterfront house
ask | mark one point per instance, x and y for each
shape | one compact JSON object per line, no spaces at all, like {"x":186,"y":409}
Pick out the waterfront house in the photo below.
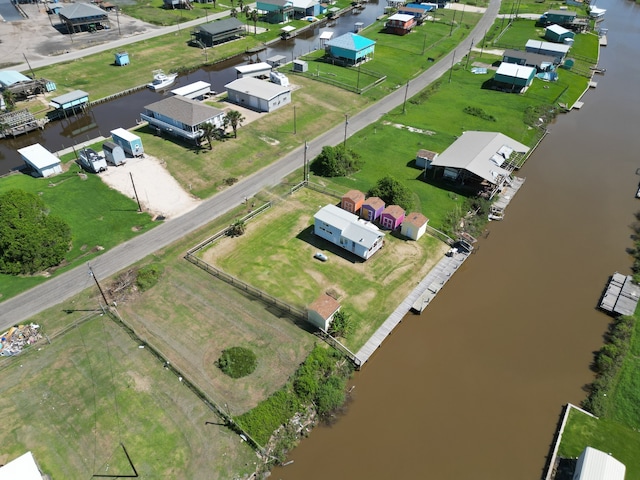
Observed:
{"x":372,"y":208}
{"x":596,"y":465}
{"x":352,"y":201}
{"x":306,"y":8}
{"x":477,"y":157}
{"x":424,"y":158}
{"x":70,"y":102}
{"x":351,"y":48}
{"x":347,"y":231}
{"x":420,"y":14}
{"x":182,"y":117}
{"x":220,"y":31}
{"x":275,"y":11}
{"x":400,"y":24}
{"x":542,"y":63}
{"x":414,"y":225}
{"x":258,"y":95}
{"x":43,"y":163}
{"x":83,"y":17}
{"x":391,"y":217}
{"x":321,"y":312}
{"x":513,"y":78}
{"x":556,"y":50}
{"x":558,"y":34}
{"x":559,"y":17}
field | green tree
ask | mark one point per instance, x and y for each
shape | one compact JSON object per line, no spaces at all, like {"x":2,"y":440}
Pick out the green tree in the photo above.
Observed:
{"x":241,"y":5}
{"x":254,"y":18}
{"x":9,"y":100}
{"x":341,"y":325}
{"x":234,"y":119}
{"x":31,"y":240}
{"x":392,"y":192}
{"x":233,"y":13}
{"x":336,"y":162}
{"x":208,"y":132}
{"x":330,"y":395}
{"x":237,"y":362}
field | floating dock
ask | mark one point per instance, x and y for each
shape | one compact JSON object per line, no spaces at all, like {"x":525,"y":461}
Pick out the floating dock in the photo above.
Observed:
{"x":621,"y":296}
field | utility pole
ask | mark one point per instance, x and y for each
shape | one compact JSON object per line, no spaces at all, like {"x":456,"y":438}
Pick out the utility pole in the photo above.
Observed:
{"x":99,"y":287}
{"x":346,"y":122}
{"x":462,"y":16}
{"x":31,"y":69}
{"x":135,"y":192}
{"x":482,"y":46}
{"x":469,"y":55}
{"x":305,"y":168}
{"x":453,"y":59}
{"x":404,"y":105}
{"x":118,"y":20}
{"x":294,"y":120}
{"x":452,"y":22}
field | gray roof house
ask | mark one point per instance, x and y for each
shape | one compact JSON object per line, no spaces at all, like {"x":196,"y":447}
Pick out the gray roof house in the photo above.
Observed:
{"x":220,"y":31}
{"x":182,"y":117}
{"x":83,"y":16}
{"x":479,"y":155}
{"x":529,"y":59}
{"x":258,"y":94}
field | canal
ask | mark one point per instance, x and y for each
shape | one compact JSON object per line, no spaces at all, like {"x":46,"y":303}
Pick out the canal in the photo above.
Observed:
{"x":124,"y":111}
{"x":473,"y":387}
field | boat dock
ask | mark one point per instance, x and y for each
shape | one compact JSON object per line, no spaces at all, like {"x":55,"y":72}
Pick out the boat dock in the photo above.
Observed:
{"x":621,"y":296}
{"x":602,"y":41}
{"x":417,"y":300}
{"x":504,"y":198}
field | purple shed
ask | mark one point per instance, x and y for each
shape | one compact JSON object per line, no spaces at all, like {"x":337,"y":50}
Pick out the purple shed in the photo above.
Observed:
{"x":392,"y":217}
{"x":372,"y":208}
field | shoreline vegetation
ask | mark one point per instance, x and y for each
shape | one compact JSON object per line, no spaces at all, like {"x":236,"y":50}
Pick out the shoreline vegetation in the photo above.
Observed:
{"x":307,"y":376}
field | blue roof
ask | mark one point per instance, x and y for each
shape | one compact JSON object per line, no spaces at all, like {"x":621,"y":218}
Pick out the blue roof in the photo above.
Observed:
{"x":351,"y":41}
{"x":9,"y":77}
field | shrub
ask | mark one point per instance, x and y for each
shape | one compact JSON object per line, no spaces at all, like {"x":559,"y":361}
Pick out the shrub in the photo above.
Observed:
{"x":148,"y":276}
{"x":237,"y":362}
{"x":342,"y":324}
{"x":392,"y":192}
{"x":336,"y":162}
{"x":237,"y":229}
{"x":478,"y":112}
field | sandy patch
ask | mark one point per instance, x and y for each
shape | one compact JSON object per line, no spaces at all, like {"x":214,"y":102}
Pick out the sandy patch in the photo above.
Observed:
{"x":159,"y":193}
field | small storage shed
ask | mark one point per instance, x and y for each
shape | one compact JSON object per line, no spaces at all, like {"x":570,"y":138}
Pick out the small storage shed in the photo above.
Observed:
{"x":372,"y":208}
{"x":514,"y":77}
{"x":257,"y":94}
{"x":42,"y":161}
{"x":424,"y":158}
{"x":255,"y":70}
{"x":352,"y":201}
{"x":321,"y":312}
{"x":414,"y":225}
{"x":276,"y":60}
{"x":557,"y":34}
{"x":392,"y":217}
{"x":129,"y":142}
{"x":113,"y":153}
{"x":194,"y":91}
{"x":300,"y":66}
{"x":122,"y":59}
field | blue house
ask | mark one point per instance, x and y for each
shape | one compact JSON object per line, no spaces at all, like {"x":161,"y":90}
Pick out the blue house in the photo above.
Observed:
{"x":276,"y":11}
{"x":351,"y":48}
{"x":345,"y":230}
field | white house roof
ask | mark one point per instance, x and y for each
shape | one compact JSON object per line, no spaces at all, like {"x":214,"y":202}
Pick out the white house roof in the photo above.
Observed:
{"x":548,"y":46}
{"x":257,"y":88}
{"x":304,"y":3}
{"x":191,"y":88}
{"x":401,"y":17}
{"x":24,"y":468}
{"x":352,"y":228}
{"x":477,"y":152}
{"x":38,"y":156}
{"x":596,"y":465}
{"x":253,"y":67}
{"x":557,"y":29}
{"x":515,"y":71}
{"x":326,"y":35}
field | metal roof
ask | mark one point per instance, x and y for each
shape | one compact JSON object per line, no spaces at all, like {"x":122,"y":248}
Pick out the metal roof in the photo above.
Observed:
{"x":351,"y":41}
{"x":253,"y":67}
{"x":557,"y":29}
{"x":350,"y":226}
{"x":548,"y":46}
{"x":38,"y":156}
{"x":529,"y":57}
{"x":70,"y":97}
{"x":184,"y":110}
{"x":192,"y":88}
{"x":9,"y":77}
{"x":473,"y":151}
{"x":596,"y":465}
{"x":81,"y":10}
{"x":401,"y":17}
{"x":257,"y":88}
{"x":24,"y":467}
{"x":221,"y":26}
{"x":515,"y":71}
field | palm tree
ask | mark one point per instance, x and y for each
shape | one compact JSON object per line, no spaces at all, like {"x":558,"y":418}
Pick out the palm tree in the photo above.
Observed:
{"x":240,"y":4}
{"x":233,"y":13}
{"x":254,"y":19}
{"x":208,"y":132}
{"x":234,"y":119}
{"x":9,"y":100}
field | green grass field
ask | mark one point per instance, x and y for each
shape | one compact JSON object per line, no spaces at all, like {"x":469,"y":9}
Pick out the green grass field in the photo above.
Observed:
{"x":276,"y":255}
{"x":72,"y":403}
{"x":100,"y":218}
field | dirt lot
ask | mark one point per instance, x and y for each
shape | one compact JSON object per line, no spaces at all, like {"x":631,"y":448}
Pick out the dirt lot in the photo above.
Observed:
{"x":40,"y":36}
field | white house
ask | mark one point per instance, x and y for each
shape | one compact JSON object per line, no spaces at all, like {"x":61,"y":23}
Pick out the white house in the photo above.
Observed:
{"x":41,"y":160}
{"x":257,"y":94}
{"x":321,"y":312}
{"x":596,"y":465}
{"x":348,"y":231}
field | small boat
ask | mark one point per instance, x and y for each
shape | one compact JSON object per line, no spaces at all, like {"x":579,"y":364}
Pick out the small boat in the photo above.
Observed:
{"x":161,"y":80}
{"x":595,"y":12}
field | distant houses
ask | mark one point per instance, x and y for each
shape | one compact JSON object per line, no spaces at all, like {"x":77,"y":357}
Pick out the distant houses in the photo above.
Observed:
{"x":275,"y":11}
{"x":559,"y":17}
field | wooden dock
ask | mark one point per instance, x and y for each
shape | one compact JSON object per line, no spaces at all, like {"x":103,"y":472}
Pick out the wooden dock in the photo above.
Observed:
{"x":418,"y":299}
{"x":602,"y":41}
{"x":621,"y":296}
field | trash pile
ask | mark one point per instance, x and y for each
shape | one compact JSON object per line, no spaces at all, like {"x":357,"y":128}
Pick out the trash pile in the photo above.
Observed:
{"x":16,"y":338}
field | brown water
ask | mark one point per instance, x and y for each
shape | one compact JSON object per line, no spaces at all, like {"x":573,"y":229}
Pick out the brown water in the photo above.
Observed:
{"x":473,"y":388}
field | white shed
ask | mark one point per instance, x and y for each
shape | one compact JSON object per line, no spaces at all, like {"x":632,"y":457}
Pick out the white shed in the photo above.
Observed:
{"x":596,"y":465}
{"x":41,"y":160}
{"x":321,"y":312}
{"x":414,"y":225}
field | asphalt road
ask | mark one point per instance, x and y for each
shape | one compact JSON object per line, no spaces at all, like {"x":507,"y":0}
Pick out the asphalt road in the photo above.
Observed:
{"x":60,"y":288}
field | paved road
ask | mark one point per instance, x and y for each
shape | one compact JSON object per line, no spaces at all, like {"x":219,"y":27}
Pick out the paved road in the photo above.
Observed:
{"x":70,"y":283}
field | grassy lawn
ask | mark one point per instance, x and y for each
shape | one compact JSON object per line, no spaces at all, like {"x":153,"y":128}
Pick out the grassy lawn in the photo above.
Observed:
{"x":100,"y":218}
{"x":276,"y":255}
{"x":73,"y":401}
{"x":532,"y":6}
{"x":606,"y":435}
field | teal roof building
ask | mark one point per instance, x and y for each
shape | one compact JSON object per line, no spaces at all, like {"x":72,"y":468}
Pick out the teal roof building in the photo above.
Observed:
{"x":351,"y":48}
